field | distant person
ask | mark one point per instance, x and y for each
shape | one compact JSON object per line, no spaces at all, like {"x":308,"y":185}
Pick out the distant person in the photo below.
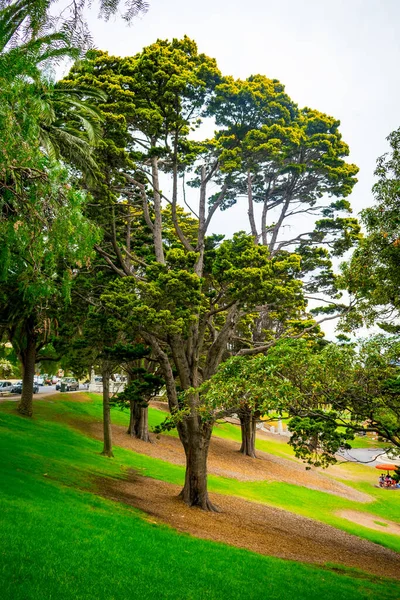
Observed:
{"x":381,"y":480}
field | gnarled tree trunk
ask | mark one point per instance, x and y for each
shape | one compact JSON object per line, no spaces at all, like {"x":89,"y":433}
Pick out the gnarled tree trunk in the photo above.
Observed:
{"x":107,"y":433}
{"x":248,"y":424}
{"x":139,"y":422}
{"x":28,"y":359}
{"x":195,"y":437}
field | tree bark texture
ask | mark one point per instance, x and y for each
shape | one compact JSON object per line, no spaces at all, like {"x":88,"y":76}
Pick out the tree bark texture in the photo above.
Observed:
{"x":248,"y":424}
{"x":250,"y":210}
{"x":194,"y":433}
{"x":139,"y":422}
{"x":196,"y":441}
{"x":157,"y":227}
{"x":28,"y":359}
{"x":107,"y":433}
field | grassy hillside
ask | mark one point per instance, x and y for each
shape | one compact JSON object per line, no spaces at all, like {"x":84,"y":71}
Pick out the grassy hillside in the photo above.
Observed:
{"x":301,"y":500}
{"x":61,"y":540}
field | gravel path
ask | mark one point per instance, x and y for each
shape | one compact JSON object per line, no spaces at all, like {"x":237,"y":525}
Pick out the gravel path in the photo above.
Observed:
{"x":256,"y":527}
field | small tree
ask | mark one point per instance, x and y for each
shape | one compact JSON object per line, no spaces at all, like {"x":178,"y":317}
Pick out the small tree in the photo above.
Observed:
{"x":142,"y":386}
{"x":329,"y":393}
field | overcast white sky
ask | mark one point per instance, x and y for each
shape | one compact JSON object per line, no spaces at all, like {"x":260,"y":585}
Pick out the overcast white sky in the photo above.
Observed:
{"x":340,"y":57}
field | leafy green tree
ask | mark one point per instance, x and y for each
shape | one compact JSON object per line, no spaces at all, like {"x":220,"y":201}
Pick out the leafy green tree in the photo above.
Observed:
{"x":372,"y":274}
{"x":292,"y":160}
{"x":195,"y":299}
{"x":366,"y":398}
{"x":286,"y":162}
{"x":329,"y":393}
{"x":62,"y":118}
{"x":189,"y":322}
{"x":142,"y":386}
{"x":41,"y":247}
{"x":44,"y":237}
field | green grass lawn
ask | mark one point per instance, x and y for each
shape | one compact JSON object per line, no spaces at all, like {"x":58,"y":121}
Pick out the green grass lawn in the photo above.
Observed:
{"x":60,"y":540}
{"x":298,"y":499}
{"x":232,"y":432}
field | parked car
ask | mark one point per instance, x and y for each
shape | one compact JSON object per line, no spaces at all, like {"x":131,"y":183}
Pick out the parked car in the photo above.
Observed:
{"x":5,"y":386}
{"x":58,"y":385}
{"x":71,"y":384}
{"x":39,"y":380}
{"x":17,"y":388}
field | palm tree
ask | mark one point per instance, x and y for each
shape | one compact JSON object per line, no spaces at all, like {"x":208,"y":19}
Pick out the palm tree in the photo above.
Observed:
{"x":68,"y":127}
{"x":39,"y":236}
{"x":40,"y":16}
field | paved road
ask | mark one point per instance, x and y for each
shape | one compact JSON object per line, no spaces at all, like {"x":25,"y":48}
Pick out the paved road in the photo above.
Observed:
{"x":367,"y":456}
{"x":44,"y":390}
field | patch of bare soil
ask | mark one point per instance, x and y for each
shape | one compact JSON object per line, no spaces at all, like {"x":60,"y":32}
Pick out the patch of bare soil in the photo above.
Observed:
{"x":225,"y":460}
{"x":371,"y":521}
{"x":252,"y":526}
{"x":160,"y":405}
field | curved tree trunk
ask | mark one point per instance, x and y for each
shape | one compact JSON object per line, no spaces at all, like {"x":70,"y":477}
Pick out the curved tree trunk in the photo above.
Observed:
{"x":196,"y":442}
{"x":139,"y":422}
{"x":248,"y":423}
{"x":28,"y":359}
{"x":107,"y":433}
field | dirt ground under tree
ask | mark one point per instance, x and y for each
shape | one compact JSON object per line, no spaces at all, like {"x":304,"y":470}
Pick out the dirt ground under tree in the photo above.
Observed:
{"x":252,"y":526}
{"x":256,"y":527}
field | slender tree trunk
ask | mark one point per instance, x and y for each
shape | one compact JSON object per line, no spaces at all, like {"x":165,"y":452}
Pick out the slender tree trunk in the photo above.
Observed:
{"x":250,"y":210}
{"x":196,"y":445}
{"x":139,"y":422}
{"x":248,"y":423}
{"x":131,"y":428}
{"x":264,"y":224}
{"x":107,"y":433}
{"x":157,"y":227}
{"x":28,"y":359}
